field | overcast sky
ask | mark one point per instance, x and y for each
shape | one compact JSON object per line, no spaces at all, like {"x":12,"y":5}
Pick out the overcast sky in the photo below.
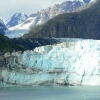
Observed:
{"x":10,"y":7}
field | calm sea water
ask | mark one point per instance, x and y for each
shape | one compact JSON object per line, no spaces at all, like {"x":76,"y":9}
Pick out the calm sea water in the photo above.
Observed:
{"x":50,"y":93}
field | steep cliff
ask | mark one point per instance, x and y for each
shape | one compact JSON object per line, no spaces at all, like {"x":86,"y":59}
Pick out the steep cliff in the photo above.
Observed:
{"x":71,"y":62}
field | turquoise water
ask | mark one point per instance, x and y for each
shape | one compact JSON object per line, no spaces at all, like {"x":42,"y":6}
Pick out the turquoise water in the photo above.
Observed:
{"x":50,"y":93}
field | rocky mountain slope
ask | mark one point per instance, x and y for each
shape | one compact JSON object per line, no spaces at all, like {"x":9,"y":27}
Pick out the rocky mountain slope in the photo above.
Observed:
{"x":71,"y":62}
{"x":83,"y":24}
{"x":16,"y":19}
{"x":43,"y":16}
{"x":2,"y":27}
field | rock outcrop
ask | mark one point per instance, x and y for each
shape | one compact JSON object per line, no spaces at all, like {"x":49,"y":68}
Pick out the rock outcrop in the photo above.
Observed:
{"x":71,"y":62}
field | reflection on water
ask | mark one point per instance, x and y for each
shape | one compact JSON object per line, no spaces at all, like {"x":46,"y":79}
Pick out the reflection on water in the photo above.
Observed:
{"x":50,"y":93}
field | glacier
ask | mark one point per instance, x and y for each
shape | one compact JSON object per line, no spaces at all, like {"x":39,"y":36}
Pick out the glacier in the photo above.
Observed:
{"x":70,"y":62}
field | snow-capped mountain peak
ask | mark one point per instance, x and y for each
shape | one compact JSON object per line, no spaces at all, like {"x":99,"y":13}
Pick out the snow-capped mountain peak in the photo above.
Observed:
{"x":17,"y":19}
{"x":43,"y":16}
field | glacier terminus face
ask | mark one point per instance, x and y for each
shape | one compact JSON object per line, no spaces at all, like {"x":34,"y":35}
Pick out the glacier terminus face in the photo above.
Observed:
{"x":71,"y":62}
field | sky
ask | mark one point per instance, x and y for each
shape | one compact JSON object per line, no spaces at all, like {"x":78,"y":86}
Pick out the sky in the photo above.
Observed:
{"x":9,"y":7}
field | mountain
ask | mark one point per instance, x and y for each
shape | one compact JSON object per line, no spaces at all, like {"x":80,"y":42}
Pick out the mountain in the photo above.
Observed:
{"x":43,"y":16}
{"x":85,"y":6}
{"x":16,"y":19}
{"x":83,"y":24}
{"x":7,"y":45}
{"x":5,"y":21}
{"x":12,"y":45}
{"x":2,"y":27}
{"x":71,"y":62}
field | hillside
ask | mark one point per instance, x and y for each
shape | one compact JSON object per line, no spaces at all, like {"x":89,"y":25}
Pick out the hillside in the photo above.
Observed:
{"x":6,"y":45}
{"x":83,"y":24}
{"x":10,"y":45}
